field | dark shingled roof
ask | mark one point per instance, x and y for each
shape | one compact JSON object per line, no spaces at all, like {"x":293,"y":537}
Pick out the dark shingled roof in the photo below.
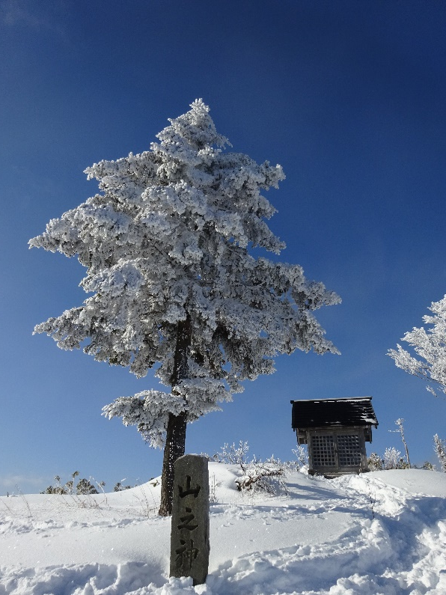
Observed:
{"x":354,"y":411}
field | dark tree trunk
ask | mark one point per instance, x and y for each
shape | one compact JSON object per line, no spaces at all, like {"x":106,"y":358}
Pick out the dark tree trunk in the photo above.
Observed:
{"x":175,"y":446}
{"x":176,"y":427}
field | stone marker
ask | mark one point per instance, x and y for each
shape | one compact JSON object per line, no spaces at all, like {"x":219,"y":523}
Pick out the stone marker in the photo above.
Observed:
{"x":189,"y":542}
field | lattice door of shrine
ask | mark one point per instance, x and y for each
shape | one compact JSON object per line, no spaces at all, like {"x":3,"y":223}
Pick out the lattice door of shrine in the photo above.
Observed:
{"x":349,"y":454}
{"x":335,"y":450}
{"x":323,"y":449}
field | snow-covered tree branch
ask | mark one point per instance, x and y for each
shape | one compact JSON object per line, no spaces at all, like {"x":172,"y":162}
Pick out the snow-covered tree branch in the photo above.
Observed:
{"x":167,"y":249}
{"x":430,"y":347}
{"x":440,"y":451}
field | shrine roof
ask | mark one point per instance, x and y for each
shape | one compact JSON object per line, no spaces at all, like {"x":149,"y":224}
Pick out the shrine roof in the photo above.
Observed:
{"x":351,"y":411}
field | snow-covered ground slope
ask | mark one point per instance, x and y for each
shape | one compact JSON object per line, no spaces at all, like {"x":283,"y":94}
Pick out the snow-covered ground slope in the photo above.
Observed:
{"x":378,"y":533}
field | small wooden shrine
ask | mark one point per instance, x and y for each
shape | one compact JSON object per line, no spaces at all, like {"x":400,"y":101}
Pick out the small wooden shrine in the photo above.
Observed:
{"x":335,"y":431}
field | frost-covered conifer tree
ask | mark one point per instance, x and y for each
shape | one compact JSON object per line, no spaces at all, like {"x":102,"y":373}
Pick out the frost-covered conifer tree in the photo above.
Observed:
{"x":430,"y":346}
{"x":165,"y":244}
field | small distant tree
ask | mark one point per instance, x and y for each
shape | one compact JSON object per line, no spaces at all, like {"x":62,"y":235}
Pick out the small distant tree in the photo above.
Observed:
{"x":83,"y":486}
{"x":233,"y":454}
{"x":301,"y":453}
{"x":392,"y":458}
{"x":375,"y":462}
{"x":430,"y":347}
{"x":119,"y":487}
{"x":166,"y":244}
{"x":399,"y":422}
{"x":440,"y":451}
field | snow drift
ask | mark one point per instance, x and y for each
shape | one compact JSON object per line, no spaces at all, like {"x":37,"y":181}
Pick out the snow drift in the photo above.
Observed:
{"x":377,"y":533}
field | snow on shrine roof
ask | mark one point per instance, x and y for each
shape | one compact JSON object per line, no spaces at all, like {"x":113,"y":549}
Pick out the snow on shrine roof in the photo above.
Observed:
{"x":352,"y":411}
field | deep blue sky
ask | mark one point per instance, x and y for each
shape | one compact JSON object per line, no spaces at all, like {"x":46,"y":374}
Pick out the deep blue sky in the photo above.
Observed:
{"x":348,"y":96}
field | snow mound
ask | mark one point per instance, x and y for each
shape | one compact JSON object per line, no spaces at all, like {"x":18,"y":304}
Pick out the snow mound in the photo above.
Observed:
{"x":377,"y":533}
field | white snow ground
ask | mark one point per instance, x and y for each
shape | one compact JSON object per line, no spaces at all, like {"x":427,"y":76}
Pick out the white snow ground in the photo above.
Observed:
{"x":377,"y":533}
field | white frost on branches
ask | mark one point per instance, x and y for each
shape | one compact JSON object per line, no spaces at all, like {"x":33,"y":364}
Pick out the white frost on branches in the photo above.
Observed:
{"x":233,"y":454}
{"x":440,"y":451}
{"x":148,"y":411}
{"x":166,"y":241}
{"x":430,"y":347}
{"x":392,"y":458}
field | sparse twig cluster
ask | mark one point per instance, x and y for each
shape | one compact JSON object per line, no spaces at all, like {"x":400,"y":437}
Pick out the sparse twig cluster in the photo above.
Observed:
{"x":257,"y":476}
{"x":264,"y":476}
{"x":400,"y":431}
{"x":392,"y":458}
{"x":83,"y":487}
{"x":301,"y":454}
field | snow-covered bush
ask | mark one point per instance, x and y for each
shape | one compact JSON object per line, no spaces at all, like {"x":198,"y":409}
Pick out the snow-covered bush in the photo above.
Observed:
{"x":119,"y":487}
{"x":440,"y":451}
{"x":83,"y":487}
{"x":262,"y":476}
{"x":375,"y":462}
{"x":232,"y":454}
{"x":393,"y":460}
{"x":257,"y":476}
{"x":301,"y":454}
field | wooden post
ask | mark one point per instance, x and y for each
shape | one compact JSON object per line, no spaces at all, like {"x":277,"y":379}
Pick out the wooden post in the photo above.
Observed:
{"x":189,"y":545}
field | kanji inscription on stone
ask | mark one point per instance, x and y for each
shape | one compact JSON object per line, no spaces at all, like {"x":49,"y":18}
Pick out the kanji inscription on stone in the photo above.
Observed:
{"x":189,"y":553}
